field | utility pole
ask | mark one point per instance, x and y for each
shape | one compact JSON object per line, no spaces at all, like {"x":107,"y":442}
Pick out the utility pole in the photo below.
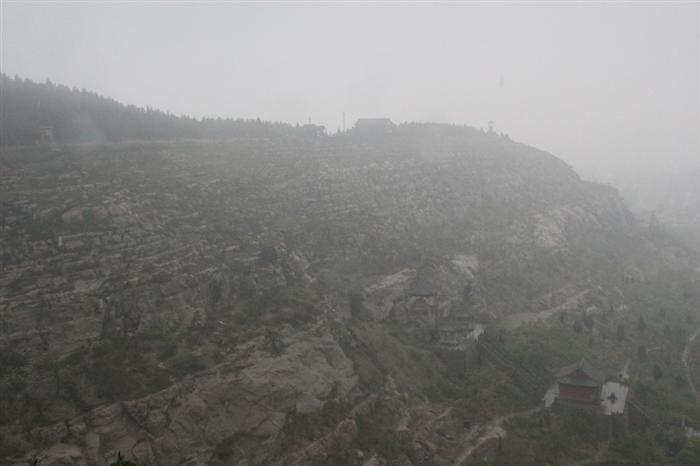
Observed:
{"x":343,"y":122}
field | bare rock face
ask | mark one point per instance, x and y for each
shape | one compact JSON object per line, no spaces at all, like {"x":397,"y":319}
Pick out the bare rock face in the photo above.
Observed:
{"x":74,"y":215}
{"x":382,"y":296}
{"x":548,"y":234}
{"x":467,"y":265}
{"x":250,"y":398}
{"x":62,"y":454}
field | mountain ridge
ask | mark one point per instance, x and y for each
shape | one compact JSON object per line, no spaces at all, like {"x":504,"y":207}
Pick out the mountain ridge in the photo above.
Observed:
{"x":189,"y":301}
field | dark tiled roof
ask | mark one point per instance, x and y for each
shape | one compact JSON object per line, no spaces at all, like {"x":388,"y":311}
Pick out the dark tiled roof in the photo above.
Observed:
{"x":578,"y":382}
{"x":593,"y":373}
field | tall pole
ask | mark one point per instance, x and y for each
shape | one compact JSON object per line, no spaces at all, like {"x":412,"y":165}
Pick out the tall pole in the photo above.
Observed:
{"x":343,"y":122}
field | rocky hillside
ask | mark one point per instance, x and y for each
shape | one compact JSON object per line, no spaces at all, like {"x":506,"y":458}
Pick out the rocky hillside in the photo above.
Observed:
{"x":288,"y":300}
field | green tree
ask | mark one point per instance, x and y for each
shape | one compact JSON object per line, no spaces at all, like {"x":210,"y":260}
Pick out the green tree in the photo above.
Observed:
{"x":577,"y":326}
{"x":641,"y":324}
{"x":642,"y":353}
{"x":357,"y":305}
{"x":268,"y":255}
{"x":121,"y":461}
{"x":620,"y":333}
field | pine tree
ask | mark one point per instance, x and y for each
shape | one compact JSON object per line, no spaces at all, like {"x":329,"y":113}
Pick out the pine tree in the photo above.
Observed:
{"x":641,"y":325}
{"x":121,"y":461}
{"x":620,"y":333}
{"x":642,"y":353}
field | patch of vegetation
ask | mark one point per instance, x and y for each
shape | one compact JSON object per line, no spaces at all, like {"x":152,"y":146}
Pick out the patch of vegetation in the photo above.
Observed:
{"x":301,"y":428}
{"x":11,"y":361}
{"x":356,"y":301}
{"x":11,"y":446}
{"x":121,"y":461}
{"x":120,"y":369}
{"x":442,"y":392}
{"x":268,"y":255}
{"x":186,"y":362}
{"x":669,"y":446}
{"x":532,"y":441}
{"x":374,"y":435}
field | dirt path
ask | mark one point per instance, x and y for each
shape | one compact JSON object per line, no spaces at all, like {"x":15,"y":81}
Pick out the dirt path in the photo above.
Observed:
{"x":491,"y":430}
{"x":684,"y":360}
{"x":513,"y":321}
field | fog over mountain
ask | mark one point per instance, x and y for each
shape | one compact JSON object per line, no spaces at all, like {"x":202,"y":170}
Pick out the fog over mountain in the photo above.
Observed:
{"x":349,"y":234}
{"x":610,"y":88}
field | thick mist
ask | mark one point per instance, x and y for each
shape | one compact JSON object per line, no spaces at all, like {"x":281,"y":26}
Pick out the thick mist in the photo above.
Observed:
{"x":352,"y":234}
{"x":611,"y":89}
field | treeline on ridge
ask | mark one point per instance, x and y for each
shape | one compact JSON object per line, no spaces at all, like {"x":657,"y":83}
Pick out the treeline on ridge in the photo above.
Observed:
{"x":77,"y":115}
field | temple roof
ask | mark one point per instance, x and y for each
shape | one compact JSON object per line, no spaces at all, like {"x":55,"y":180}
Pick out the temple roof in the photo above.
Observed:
{"x":596,"y":376}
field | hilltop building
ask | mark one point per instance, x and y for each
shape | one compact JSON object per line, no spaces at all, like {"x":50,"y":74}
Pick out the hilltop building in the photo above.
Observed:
{"x":457,"y":329}
{"x":580,"y":385}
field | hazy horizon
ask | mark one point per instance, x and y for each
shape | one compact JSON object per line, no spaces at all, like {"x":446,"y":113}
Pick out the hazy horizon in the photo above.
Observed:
{"x":608,"y":88}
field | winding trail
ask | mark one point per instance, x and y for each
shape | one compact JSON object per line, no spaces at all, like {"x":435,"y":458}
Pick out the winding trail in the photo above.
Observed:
{"x":684,"y":360}
{"x":491,"y":430}
{"x":513,"y":321}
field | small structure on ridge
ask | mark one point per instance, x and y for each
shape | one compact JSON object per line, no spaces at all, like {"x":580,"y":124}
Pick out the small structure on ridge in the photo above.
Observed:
{"x":374,"y":126}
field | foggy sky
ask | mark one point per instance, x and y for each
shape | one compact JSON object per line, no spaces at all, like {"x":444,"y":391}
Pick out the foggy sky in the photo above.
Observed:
{"x":606,"y":87}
